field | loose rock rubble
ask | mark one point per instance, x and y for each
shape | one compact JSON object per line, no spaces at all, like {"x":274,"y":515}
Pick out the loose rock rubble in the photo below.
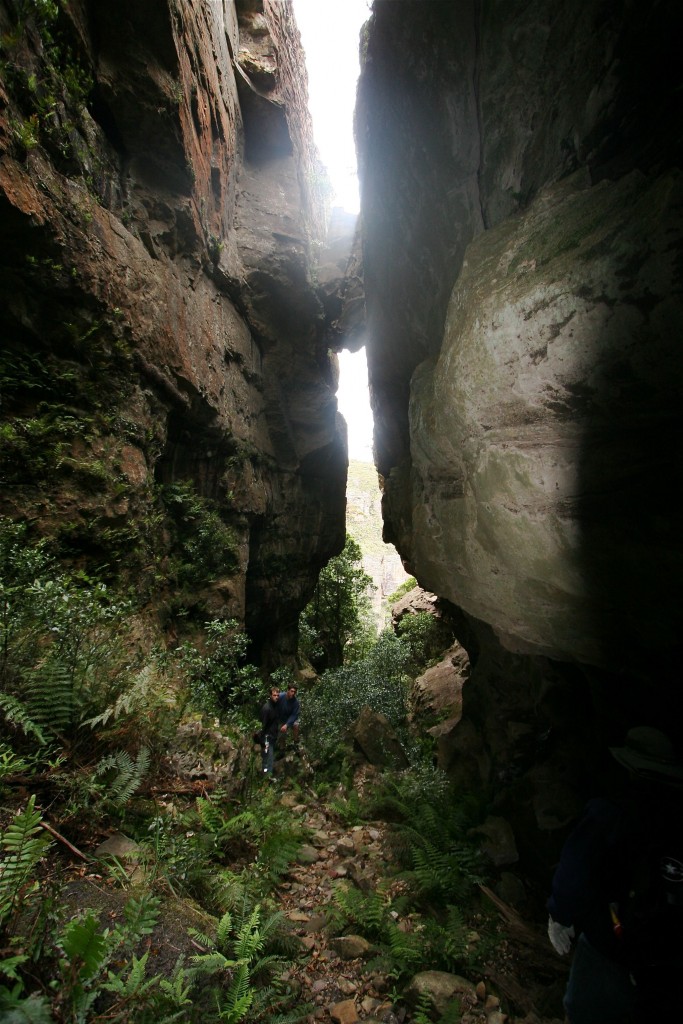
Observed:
{"x":335,"y":977}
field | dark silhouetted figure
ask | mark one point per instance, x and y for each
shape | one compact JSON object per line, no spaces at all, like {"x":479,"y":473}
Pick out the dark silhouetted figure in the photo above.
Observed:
{"x":619,"y":889}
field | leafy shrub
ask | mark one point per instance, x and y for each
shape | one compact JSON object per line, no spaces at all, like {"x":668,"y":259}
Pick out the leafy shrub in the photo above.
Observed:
{"x":402,"y":590}
{"x":428,"y":637}
{"x":378,"y":680}
{"x":215,"y":673}
{"x":208,"y":546}
{"x":336,"y":624}
{"x":63,"y":656}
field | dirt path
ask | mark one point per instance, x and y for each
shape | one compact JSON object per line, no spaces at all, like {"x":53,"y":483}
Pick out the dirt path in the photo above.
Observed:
{"x":335,"y":977}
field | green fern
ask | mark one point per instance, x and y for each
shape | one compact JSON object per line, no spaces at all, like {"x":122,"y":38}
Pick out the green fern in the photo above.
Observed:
{"x":129,"y":774}
{"x":235,"y":1005}
{"x":134,"y":986}
{"x":176,"y":989}
{"x":221,"y":827}
{"x":407,"y":948}
{"x":23,"y":845}
{"x":423,"y":1009}
{"x":84,"y":947}
{"x":369,"y":912}
{"x":141,"y":915}
{"x":238,"y":950}
{"x":50,"y":698}
{"x":16,"y":713}
{"x":14,"y":1009}
{"x":452,"y":1013}
{"x":444,"y":866}
{"x":277,"y":852}
{"x":142,"y":693}
{"x":249,"y":940}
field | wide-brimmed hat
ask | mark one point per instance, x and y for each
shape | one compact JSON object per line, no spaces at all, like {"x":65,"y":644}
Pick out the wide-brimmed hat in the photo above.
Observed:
{"x":650,"y":754}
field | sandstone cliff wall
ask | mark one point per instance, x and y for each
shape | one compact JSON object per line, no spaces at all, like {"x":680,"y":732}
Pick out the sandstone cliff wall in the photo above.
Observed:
{"x":522,"y":243}
{"x":158,"y":318}
{"x":521,"y":205}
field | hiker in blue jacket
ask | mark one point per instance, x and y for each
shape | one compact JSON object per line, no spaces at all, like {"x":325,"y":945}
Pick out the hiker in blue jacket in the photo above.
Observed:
{"x":288,"y":707}
{"x":616,"y":889}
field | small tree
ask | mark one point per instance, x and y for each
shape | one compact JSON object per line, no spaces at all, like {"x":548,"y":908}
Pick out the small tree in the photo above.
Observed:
{"x":339,"y":610}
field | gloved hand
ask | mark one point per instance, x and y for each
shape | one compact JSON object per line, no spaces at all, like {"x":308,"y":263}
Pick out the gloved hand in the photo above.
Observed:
{"x":560,"y":935}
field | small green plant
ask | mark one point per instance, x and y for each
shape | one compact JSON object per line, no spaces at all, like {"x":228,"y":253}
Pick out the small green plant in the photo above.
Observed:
{"x":240,"y":959}
{"x":26,"y":133}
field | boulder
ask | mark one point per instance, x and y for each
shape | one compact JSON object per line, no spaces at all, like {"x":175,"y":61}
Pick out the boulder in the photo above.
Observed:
{"x":440,"y":988}
{"x":375,"y":737}
{"x":351,"y":947}
{"x":344,"y":1012}
{"x":437,"y":693}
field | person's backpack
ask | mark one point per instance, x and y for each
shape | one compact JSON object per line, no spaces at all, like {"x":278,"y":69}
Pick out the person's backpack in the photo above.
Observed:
{"x":651,"y":919}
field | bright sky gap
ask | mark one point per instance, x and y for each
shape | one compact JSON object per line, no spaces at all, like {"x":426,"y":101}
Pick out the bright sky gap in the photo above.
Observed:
{"x":330,"y":35}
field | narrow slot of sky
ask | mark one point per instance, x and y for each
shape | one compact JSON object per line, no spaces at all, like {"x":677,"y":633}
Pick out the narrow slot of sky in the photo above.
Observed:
{"x":330,"y":31}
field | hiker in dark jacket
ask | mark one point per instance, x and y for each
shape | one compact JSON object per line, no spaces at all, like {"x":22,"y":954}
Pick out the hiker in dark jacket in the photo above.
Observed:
{"x":288,"y":705}
{"x":616,"y":890}
{"x":270,"y":724}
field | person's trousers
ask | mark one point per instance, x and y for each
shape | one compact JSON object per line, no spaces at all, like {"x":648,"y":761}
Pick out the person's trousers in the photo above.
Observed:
{"x":268,"y":755}
{"x":599,"y":990}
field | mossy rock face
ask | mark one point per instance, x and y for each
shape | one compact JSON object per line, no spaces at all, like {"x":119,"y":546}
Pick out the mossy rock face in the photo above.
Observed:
{"x":539,"y":436}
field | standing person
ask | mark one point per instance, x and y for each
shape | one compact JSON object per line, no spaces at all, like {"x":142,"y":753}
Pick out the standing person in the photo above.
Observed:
{"x":618,"y":889}
{"x":288,"y":705}
{"x":270,"y":723}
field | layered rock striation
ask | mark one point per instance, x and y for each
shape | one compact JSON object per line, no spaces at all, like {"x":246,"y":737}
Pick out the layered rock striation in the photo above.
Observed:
{"x":163,"y":341}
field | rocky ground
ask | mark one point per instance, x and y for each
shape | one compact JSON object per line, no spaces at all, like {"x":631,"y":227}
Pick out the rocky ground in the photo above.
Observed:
{"x":337,"y":977}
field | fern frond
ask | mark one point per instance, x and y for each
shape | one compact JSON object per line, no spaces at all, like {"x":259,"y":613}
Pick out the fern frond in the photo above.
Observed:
{"x":423,"y":1009}
{"x":367,"y":911}
{"x":35,"y":1009}
{"x":230,"y":889}
{"x":211,"y":963}
{"x":211,"y":817}
{"x":8,"y":966}
{"x":17,"y":713}
{"x":238,"y":998}
{"x":177,"y":988}
{"x":406,"y":948}
{"x":452,"y":1014}
{"x":23,"y":845}
{"x":277,"y":853}
{"x":224,"y":929}
{"x":83,"y":941}
{"x":129,"y":777}
{"x":141,"y":915}
{"x":249,"y":940}
{"x":201,"y":938}
{"x":50,"y":698}
{"x":142,"y":691}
